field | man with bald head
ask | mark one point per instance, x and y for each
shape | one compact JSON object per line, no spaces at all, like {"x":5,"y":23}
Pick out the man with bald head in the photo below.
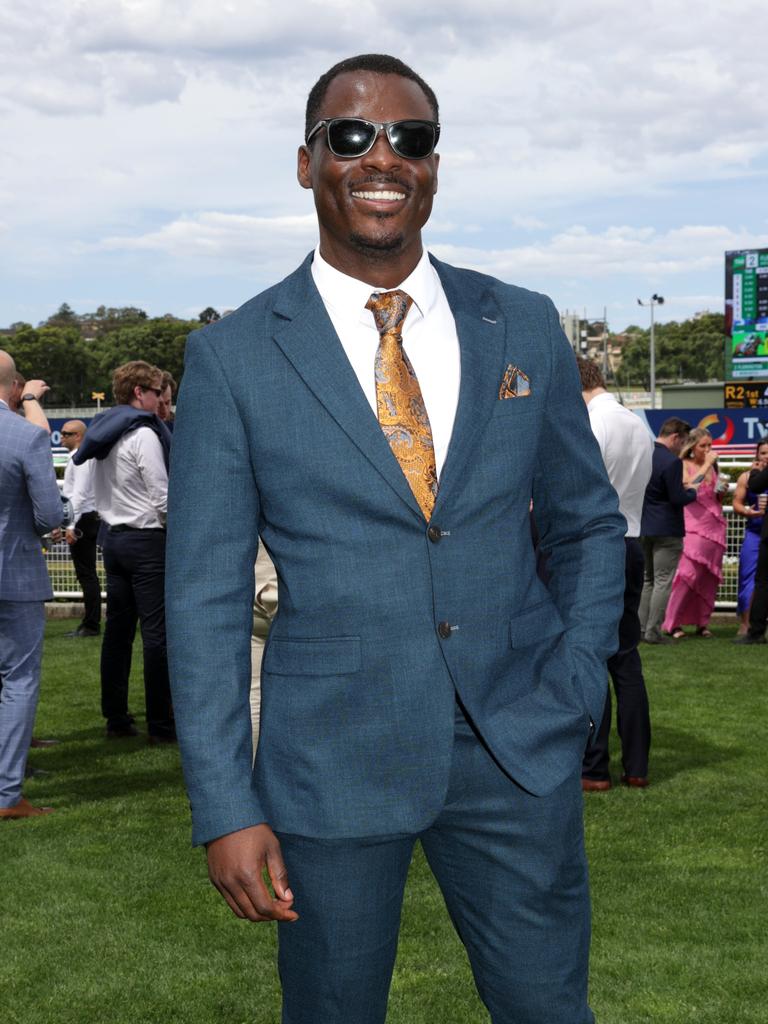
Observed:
{"x":30,"y":506}
{"x":82,"y":532}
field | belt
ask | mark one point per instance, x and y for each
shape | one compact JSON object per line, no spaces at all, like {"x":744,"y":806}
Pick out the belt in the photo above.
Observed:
{"x":121,"y":528}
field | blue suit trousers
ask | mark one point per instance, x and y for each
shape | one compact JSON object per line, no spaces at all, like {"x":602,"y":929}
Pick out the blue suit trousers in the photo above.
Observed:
{"x":22,"y":624}
{"x":512,"y":871}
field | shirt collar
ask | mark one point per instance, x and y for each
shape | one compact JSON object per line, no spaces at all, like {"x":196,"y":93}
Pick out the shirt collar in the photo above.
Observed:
{"x":3,"y":402}
{"x":348,"y":294}
{"x":600,"y":399}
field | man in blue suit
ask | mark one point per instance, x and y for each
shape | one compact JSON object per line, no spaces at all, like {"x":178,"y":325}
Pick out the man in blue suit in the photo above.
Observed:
{"x":30,"y":505}
{"x":382,"y":421}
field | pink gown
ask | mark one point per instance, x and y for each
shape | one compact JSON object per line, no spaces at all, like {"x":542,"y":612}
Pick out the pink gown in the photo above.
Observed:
{"x":701,"y":564}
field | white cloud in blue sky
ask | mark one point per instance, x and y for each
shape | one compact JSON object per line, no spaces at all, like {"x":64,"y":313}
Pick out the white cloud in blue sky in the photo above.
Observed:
{"x":598,"y":151}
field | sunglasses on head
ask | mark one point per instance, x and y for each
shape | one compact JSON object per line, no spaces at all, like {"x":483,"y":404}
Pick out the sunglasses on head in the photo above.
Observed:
{"x":350,"y":137}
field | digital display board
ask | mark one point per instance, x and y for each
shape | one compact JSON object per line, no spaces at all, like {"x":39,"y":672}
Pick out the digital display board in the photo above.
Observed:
{"x":746,"y":314}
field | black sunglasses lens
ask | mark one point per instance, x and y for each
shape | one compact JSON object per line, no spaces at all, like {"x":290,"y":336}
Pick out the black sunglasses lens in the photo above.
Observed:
{"x":412,"y":139}
{"x":350,"y":137}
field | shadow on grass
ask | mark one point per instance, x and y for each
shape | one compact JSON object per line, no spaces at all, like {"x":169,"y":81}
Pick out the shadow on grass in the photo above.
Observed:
{"x":674,"y":751}
{"x":87,"y":767}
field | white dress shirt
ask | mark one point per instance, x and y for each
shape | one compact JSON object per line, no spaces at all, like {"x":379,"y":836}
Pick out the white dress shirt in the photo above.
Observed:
{"x":131,"y":483}
{"x":429,"y":339}
{"x":627,"y":449}
{"x":78,"y":487}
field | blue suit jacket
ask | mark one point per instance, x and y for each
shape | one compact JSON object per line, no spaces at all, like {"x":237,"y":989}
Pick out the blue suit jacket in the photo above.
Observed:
{"x":274,"y":436}
{"x":30,"y":505}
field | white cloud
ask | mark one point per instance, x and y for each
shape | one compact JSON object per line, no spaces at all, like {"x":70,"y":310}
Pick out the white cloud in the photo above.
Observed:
{"x":129,"y":121}
{"x":580,"y":254}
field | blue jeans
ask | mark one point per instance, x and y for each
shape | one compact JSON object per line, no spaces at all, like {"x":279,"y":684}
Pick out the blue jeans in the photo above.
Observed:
{"x":513,"y":874}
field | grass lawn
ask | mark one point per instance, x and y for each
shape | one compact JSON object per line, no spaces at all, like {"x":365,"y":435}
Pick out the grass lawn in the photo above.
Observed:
{"x":107,"y":917}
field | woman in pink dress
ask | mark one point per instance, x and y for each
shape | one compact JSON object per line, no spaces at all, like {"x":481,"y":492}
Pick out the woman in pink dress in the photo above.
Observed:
{"x":700,"y":568}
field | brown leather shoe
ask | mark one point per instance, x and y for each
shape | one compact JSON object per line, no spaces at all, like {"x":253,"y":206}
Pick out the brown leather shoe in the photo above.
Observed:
{"x":23,"y":809}
{"x":595,"y":785}
{"x":636,"y":781}
{"x":35,"y":742}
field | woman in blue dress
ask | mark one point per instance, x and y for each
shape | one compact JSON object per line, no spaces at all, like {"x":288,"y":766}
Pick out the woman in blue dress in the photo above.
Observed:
{"x":752,"y":506}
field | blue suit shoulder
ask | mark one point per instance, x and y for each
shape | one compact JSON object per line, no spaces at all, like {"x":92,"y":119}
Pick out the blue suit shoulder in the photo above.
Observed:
{"x":464,"y":279}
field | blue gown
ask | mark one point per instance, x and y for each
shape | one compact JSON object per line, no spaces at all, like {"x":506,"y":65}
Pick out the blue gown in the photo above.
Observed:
{"x":748,"y":556}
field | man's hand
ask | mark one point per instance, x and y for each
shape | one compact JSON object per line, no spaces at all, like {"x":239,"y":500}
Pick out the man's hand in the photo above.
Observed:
{"x":236,"y":865}
{"x":36,"y":388}
{"x":69,"y":537}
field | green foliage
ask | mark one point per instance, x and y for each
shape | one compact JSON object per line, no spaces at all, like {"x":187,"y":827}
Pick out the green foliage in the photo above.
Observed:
{"x":108,"y":916}
{"x":60,"y":356}
{"x":77,"y":354}
{"x":689,"y":350}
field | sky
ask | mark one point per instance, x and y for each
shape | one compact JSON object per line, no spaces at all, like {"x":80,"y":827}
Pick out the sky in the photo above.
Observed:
{"x":600,"y":151}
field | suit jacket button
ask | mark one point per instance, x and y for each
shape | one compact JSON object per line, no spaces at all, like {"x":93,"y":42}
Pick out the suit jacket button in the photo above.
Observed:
{"x":434,"y":533}
{"x":444,"y":629}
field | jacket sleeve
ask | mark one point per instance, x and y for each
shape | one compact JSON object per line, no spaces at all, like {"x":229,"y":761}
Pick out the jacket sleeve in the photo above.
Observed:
{"x":672,"y":476}
{"x":581,"y":528}
{"x":42,"y":488}
{"x":213,"y":513}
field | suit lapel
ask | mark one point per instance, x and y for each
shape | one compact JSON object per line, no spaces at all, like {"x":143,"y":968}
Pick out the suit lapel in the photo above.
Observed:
{"x":308,"y":340}
{"x":482,"y":331}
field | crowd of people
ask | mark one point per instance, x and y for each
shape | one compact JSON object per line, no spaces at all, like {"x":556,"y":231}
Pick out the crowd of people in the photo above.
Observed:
{"x":671,"y":495}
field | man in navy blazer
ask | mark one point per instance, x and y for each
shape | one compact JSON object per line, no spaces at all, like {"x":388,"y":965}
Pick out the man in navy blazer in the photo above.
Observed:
{"x":30,"y":505}
{"x":419,"y":681}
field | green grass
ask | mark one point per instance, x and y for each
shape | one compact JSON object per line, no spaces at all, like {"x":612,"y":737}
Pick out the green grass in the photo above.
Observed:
{"x":107,"y":917}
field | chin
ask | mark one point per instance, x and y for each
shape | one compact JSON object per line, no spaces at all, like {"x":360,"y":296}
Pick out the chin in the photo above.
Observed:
{"x":378,"y":246}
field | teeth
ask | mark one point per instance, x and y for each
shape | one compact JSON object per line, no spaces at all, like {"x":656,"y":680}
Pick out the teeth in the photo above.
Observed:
{"x":388,"y":196}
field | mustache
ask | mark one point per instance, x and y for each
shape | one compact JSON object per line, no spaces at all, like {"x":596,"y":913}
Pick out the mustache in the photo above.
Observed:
{"x":381,"y":179}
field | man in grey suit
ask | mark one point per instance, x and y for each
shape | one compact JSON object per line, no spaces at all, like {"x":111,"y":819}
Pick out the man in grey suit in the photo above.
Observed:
{"x":30,"y":505}
{"x":383,"y":420}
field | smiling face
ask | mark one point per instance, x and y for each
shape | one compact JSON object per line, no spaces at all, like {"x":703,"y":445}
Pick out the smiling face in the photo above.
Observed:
{"x":371,"y":209}
{"x":762,"y":455}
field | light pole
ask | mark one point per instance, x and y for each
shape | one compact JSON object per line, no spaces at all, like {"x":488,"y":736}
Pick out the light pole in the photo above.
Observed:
{"x":655,"y":300}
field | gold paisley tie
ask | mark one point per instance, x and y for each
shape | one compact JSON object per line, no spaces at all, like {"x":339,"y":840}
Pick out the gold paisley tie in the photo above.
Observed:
{"x":401,"y":410}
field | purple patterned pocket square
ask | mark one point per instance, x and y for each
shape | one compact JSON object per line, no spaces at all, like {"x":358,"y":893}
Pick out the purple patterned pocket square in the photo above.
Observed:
{"x":515,"y":384}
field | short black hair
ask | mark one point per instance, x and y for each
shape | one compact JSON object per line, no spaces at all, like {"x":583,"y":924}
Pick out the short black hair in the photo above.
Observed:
{"x":376,"y":63}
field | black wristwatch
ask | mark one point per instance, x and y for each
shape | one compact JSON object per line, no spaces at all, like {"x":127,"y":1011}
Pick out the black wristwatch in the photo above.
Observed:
{"x":28,"y":398}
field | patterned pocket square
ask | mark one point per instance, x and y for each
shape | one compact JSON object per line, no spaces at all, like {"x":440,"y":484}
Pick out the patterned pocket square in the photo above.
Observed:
{"x":515,"y":384}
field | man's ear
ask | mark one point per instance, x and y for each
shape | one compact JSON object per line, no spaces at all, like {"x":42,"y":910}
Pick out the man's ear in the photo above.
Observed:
{"x":304,"y":167}
{"x":437,"y":165}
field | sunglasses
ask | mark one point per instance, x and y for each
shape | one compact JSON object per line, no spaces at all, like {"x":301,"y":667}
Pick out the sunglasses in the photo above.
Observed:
{"x":350,"y":137}
{"x":157,"y":391}
{"x":70,"y":433}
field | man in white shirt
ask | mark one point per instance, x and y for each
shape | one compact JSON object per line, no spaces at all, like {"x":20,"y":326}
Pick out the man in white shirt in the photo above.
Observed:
{"x":129,"y":447}
{"x":627,"y":450}
{"x":82,"y":532}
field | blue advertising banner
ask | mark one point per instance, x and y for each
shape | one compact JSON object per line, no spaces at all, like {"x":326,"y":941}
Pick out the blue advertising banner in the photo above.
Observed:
{"x":734,"y":431}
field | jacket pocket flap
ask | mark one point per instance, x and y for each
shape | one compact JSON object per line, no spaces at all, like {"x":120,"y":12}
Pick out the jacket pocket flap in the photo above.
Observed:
{"x":332,"y":656}
{"x":536,"y":623}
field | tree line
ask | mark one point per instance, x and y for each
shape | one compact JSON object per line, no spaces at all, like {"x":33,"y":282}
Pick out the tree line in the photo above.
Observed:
{"x":77,"y":353}
{"x":687,"y":350}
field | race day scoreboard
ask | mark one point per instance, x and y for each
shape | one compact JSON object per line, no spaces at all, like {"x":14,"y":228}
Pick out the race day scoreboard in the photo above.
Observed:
{"x":746,"y":314}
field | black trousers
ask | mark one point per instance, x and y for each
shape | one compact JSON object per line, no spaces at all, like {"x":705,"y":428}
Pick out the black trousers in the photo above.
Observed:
{"x":83,"y":553}
{"x":626,"y":670}
{"x":758,"y":612}
{"x":134,"y":561}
